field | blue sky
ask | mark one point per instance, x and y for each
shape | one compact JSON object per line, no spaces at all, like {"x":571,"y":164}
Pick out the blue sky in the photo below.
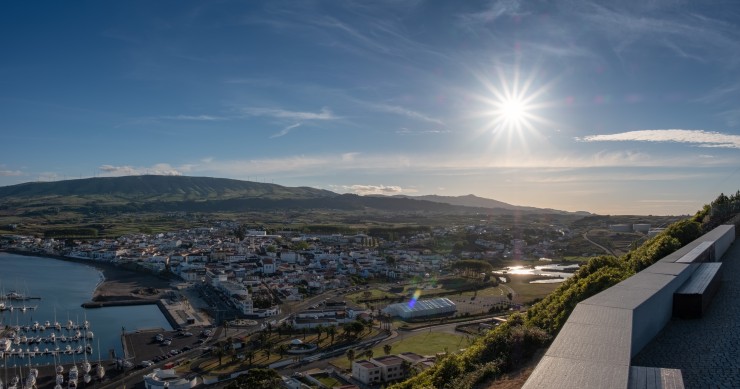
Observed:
{"x":628,"y":108}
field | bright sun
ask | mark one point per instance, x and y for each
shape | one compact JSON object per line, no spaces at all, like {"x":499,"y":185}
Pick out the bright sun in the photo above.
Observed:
{"x":512,"y":106}
{"x":513,"y":111}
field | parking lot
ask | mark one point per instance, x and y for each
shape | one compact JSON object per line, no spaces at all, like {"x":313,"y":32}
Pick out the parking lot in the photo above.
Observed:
{"x":146,"y":346}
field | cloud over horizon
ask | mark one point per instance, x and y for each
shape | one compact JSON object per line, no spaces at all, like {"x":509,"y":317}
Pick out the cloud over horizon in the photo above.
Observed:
{"x":697,"y":137}
{"x":161,"y":169}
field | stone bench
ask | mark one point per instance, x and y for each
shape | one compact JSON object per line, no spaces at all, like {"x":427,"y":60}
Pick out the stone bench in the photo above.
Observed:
{"x":691,"y":300}
{"x":654,"y":378}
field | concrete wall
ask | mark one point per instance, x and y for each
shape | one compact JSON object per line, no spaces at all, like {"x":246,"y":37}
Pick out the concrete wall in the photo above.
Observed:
{"x":595,"y":347}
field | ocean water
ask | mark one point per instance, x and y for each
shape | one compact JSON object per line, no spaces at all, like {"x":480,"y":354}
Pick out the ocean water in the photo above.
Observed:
{"x":63,"y":287}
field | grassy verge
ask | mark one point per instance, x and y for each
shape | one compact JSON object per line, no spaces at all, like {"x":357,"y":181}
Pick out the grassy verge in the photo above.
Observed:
{"x":426,"y":343}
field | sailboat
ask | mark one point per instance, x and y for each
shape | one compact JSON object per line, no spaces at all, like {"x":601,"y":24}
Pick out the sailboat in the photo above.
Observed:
{"x":60,"y":377}
{"x":86,"y":367}
{"x":72,"y":377}
{"x":14,"y":382}
{"x":100,"y":370}
{"x":32,"y":375}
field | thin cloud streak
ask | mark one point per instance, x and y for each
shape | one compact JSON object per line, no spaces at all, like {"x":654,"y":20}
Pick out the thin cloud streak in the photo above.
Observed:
{"x":373,"y":189}
{"x":698,"y":137}
{"x":285,"y":130}
{"x":10,"y":173}
{"x":406,"y":131}
{"x":441,"y":165}
{"x":406,"y":112}
{"x":162,"y":169}
{"x":207,"y":118}
{"x":324,"y":114}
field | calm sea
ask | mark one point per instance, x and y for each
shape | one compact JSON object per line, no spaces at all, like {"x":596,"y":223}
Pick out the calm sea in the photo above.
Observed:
{"x":63,"y":287}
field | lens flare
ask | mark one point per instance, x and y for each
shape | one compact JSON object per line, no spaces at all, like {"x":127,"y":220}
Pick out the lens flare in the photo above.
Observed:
{"x":414,"y":298}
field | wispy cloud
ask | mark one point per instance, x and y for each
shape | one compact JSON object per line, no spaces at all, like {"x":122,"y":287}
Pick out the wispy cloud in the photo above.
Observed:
{"x":324,"y":114}
{"x":697,"y":137}
{"x":491,"y":13}
{"x":163,"y":169}
{"x":10,"y":173}
{"x":689,"y":35}
{"x":4,"y":172}
{"x":374,"y":189}
{"x":285,"y":130}
{"x":406,"y":131}
{"x":207,"y":118}
{"x":396,"y":109}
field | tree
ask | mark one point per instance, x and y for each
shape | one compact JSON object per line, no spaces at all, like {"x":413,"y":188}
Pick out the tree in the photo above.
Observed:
{"x":331,"y":331}
{"x":220,"y":354}
{"x":319,"y":331}
{"x":405,"y":367}
{"x":257,"y":379}
{"x":369,"y":353}
{"x":249,"y":355}
{"x":387,"y":349}
{"x":282,"y":349}
{"x":351,"y":355}
{"x":240,"y":232}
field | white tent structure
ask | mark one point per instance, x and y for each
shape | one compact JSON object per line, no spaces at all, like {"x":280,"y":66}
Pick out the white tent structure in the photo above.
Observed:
{"x":421,"y":308}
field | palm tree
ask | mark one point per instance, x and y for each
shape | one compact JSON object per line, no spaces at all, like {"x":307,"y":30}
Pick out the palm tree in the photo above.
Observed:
{"x":249,"y":355}
{"x":369,"y":354}
{"x":220,"y":353}
{"x":282,"y":349}
{"x":331,"y":331}
{"x":266,"y":352}
{"x":319,"y":331}
{"x":387,"y":349}
{"x":351,"y":355}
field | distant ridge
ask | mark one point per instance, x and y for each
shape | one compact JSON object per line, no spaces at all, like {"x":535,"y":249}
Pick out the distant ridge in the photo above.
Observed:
{"x":151,"y":193}
{"x":481,"y":202}
{"x":151,"y":186}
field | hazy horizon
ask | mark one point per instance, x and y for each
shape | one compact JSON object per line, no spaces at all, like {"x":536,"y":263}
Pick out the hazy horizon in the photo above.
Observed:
{"x":627,"y":108}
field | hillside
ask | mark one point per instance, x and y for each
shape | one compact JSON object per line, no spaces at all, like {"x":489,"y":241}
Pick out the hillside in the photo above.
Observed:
{"x":117,"y":205}
{"x":481,"y":202}
{"x":205,"y":194}
{"x":172,"y":188}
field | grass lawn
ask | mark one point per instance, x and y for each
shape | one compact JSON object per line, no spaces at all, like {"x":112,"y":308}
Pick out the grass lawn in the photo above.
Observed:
{"x":425,"y":343}
{"x":490,"y":291}
{"x":527,"y":292}
{"x":325,"y":379}
{"x":374,"y":294}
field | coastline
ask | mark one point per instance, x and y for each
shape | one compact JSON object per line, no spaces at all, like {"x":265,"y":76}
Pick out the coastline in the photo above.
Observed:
{"x":118,"y":285}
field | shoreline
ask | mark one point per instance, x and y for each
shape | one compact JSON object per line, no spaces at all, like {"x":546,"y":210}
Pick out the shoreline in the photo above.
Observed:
{"x":118,"y":285}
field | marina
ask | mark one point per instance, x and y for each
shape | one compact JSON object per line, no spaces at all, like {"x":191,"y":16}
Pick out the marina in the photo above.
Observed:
{"x":57,"y":333}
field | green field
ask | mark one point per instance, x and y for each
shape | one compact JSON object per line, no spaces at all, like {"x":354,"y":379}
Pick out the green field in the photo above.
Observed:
{"x":526,"y":292}
{"x":426,"y":343}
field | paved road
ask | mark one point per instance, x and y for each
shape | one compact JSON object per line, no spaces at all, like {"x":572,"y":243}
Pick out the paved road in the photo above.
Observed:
{"x":606,"y":250}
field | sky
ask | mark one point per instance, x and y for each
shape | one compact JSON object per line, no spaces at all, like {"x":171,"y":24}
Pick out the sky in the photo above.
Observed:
{"x":629,"y":107}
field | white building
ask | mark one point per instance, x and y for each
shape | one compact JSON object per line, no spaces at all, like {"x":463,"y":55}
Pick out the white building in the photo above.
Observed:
{"x":421,"y":308}
{"x":160,"y":379}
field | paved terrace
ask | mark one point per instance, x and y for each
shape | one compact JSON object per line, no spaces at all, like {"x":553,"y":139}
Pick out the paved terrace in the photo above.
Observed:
{"x":706,"y":350}
{"x":596,"y":345}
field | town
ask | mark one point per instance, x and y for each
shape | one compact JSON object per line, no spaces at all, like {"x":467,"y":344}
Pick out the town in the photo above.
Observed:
{"x":378,"y":291}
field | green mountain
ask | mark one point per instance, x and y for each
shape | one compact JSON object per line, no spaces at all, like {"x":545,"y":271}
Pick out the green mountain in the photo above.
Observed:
{"x":481,"y":202}
{"x":205,"y":194}
{"x":172,"y":188}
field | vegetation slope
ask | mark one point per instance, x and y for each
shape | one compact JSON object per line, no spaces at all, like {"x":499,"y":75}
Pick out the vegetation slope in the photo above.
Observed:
{"x":510,"y":345}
